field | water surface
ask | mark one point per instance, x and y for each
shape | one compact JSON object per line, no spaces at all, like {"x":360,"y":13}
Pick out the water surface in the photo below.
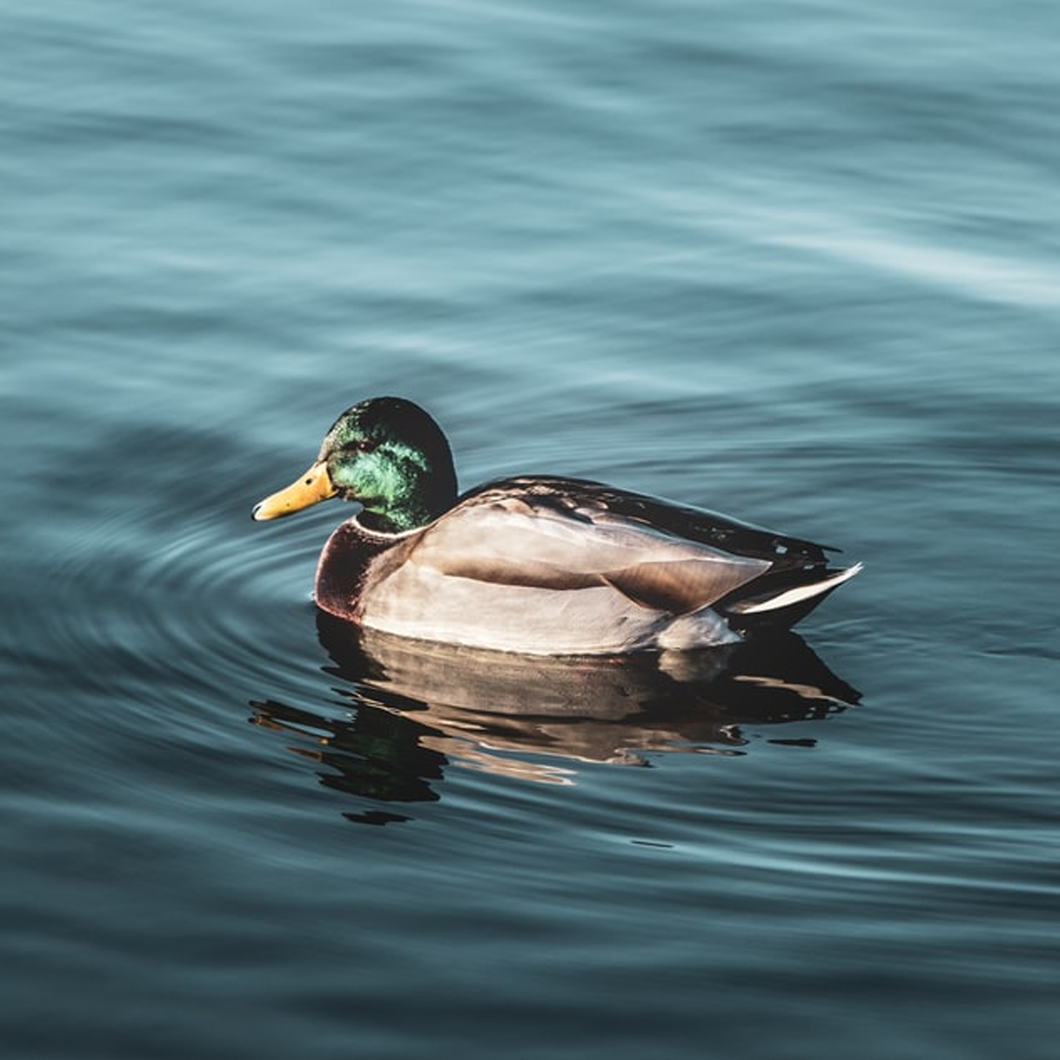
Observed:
{"x":797,"y":262}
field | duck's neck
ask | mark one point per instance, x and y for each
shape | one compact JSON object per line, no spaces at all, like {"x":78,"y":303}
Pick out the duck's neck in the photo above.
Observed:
{"x":402,"y":487}
{"x":396,"y":520}
{"x":412,"y":507}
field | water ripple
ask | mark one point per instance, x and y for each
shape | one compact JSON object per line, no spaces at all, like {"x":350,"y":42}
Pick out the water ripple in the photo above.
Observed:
{"x":173,"y":583}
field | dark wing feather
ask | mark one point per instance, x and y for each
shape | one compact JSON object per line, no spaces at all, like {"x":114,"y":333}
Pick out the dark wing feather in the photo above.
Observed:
{"x":678,"y":587}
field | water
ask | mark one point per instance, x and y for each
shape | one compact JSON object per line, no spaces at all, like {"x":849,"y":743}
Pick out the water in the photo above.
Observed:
{"x":793,"y":261}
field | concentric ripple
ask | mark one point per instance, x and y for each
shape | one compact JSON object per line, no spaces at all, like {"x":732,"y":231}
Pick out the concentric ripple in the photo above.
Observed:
{"x":169,"y":596}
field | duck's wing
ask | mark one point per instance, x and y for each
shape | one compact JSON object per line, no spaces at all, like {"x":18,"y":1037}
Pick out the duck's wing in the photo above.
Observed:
{"x":563,"y":535}
{"x":797,"y":575}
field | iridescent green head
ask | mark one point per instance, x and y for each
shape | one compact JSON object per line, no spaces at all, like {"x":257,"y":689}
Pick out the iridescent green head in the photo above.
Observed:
{"x":387,"y":454}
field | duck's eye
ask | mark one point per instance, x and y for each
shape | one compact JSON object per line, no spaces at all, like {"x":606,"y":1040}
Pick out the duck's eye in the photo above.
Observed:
{"x":363,"y":447}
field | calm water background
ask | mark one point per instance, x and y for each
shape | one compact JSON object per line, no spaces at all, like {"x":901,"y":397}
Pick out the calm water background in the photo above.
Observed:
{"x":797,"y":261}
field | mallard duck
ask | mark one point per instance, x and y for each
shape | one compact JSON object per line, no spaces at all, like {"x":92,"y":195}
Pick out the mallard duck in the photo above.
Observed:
{"x":535,"y":564}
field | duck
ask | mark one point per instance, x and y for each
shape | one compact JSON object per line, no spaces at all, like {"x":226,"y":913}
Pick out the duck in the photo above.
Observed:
{"x":535,"y":564}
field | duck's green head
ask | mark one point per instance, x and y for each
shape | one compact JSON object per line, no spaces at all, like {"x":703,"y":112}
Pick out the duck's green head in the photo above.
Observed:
{"x":387,"y":454}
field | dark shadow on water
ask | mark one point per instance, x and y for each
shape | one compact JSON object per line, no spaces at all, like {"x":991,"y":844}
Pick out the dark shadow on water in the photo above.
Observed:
{"x":415,"y":708}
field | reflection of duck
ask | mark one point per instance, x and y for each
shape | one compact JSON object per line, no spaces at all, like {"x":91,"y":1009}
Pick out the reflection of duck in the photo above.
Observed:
{"x":420,"y":706}
{"x":539,"y":565}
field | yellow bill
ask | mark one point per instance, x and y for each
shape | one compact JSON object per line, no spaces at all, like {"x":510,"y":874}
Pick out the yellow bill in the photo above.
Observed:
{"x":311,"y":488}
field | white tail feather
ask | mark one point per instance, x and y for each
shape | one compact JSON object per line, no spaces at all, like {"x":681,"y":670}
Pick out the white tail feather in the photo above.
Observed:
{"x":801,"y":592}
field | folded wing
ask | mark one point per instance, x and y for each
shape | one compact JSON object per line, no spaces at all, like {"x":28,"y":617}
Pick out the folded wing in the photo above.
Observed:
{"x":528,"y":541}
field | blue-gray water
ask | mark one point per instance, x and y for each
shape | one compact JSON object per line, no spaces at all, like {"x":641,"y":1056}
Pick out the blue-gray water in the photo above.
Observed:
{"x":795,"y":261}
